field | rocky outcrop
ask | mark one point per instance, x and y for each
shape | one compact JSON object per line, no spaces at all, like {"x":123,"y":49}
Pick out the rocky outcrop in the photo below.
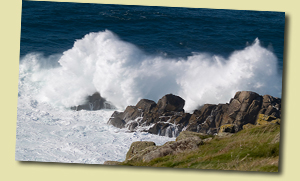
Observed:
{"x":167,"y":116}
{"x":94,"y":102}
{"x":170,"y":103}
{"x":244,"y":108}
{"x":147,"y":151}
{"x":117,"y":120}
{"x":137,"y":147}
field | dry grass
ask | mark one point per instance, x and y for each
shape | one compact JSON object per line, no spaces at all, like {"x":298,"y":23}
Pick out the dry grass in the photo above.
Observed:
{"x":248,"y":150}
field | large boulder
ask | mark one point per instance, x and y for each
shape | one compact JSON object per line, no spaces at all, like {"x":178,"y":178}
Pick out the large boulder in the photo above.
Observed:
{"x":188,"y":134}
{"x":145,"y":151}
{"x":244,"y":108}
{"x":169,"y":103}
{"x":172,"y":148}
{"x":137,"y":147}
{"x":116,"y":120}
{"x":94,"y":102}
{"x":145,"y":105}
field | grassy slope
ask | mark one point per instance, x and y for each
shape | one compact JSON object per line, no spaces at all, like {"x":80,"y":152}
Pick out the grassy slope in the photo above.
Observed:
{"x":248,"y":150}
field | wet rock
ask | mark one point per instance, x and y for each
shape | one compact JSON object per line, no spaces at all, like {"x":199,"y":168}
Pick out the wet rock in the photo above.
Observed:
{"x":161,"y":116}
{"x":116,"y":120}
{"x":164,"y":129}
{"x":131,"y":125}
{"x":167,"y":117}
{"x":131,"y":113}
{"x":94,"y":102}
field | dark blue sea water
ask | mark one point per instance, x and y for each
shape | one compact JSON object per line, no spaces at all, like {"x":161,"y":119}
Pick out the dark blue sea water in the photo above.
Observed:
{"x":52,"y":27}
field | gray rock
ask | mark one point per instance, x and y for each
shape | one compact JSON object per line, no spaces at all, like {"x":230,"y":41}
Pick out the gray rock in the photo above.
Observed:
{"x":116,"y":120}
{"x":146,"y":105}
{"x":171,"y":148}
{"x":170,"y":102}
{"x":131,"y":113}
{"x":167,"y":117}
{"x":94,"y":102}
{"x":137,"y":147}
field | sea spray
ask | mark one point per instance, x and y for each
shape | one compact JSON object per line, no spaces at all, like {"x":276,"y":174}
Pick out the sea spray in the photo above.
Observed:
{"x":123,"y":74}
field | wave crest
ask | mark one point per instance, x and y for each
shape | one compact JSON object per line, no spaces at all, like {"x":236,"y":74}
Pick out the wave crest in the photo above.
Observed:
{"x":124,"y":74}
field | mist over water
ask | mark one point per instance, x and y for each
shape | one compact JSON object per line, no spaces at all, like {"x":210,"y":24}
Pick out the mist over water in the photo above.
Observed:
{"x":124,"y":74}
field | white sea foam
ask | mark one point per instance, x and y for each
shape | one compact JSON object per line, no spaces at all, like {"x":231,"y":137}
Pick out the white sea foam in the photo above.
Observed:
{"x":123,"y":74}
{"x":48,"y":131}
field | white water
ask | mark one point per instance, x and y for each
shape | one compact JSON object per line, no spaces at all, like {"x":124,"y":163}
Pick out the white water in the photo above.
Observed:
{"x":49,"y":134}
{"x":123,"y":74}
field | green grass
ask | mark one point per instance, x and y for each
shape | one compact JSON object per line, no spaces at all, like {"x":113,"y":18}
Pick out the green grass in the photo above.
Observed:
{"x":248,"y":150}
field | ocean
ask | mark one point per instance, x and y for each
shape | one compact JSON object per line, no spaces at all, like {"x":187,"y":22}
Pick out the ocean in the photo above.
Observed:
{"x":68,"y":51}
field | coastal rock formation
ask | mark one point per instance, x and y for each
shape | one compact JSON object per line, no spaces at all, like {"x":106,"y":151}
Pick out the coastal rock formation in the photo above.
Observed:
{"x":161,"y":118}
{"x":244,"y":108}
{"x":167,"y":117}
{"x":169,"y":103}
{"x":147,"y":151}
{"x":94,"y":102}
{"x":137,"y":147}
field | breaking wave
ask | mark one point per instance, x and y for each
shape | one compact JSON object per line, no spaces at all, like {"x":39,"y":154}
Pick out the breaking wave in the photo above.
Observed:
{"x":123,"y":74}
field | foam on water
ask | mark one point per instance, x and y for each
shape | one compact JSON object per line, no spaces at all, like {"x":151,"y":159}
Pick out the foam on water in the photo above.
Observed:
{"x":123,"y":74}
{"x":50,"y":134}
{"x":48,"y":131}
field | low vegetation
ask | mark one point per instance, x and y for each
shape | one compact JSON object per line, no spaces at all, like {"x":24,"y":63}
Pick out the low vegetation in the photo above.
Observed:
{"x":253,"y":149}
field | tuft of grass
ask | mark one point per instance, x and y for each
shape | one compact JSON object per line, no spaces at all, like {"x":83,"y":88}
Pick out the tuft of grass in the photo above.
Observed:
{"x":248,"y":150}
